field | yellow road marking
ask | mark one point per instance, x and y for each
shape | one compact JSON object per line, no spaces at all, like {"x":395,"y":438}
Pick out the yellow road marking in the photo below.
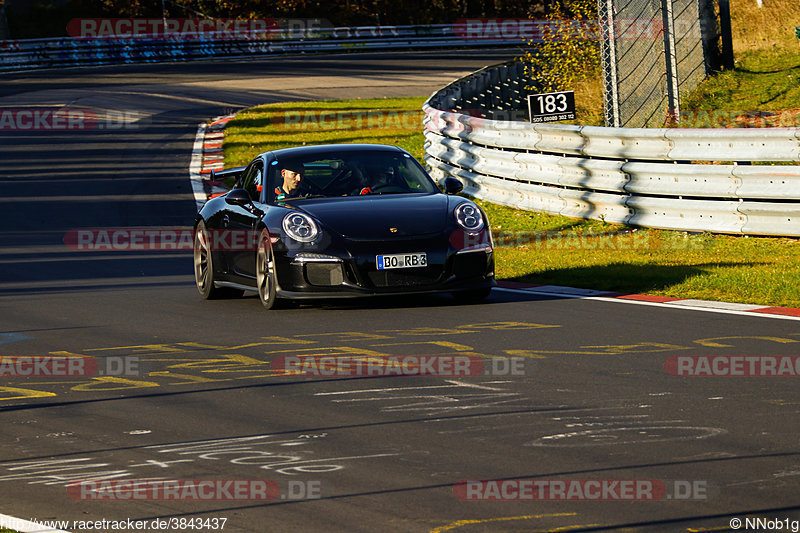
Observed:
{"x":460,"y":523}
{"x":710,"y":341}
{"x":110,"y":381}
{"x":24,"y":393}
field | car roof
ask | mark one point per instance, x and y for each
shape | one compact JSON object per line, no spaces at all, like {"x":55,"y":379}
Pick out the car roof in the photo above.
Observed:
{"x":327,"y":148}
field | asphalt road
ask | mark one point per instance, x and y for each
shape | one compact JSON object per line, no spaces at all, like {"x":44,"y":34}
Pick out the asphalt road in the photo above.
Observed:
{"x":573,"y":394}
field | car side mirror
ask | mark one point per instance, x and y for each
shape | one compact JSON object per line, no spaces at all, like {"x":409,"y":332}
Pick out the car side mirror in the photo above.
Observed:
{"x":239,"y":197}
{"x":453,"y":186}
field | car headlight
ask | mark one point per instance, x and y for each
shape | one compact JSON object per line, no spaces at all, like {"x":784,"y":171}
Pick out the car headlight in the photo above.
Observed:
{"x":469,"y":217}
{"x":300,"y":227}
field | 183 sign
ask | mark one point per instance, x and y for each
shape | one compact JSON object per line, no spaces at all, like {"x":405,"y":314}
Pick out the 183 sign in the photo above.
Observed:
{"x":551,"y":107}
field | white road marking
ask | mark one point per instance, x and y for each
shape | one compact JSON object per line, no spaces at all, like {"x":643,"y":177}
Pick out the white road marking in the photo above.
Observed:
{"x":666,"y":305}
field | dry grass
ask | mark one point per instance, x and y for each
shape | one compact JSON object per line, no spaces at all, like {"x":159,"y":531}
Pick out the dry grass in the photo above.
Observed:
{"x":589,"y":102}
{"x":768,"y":27}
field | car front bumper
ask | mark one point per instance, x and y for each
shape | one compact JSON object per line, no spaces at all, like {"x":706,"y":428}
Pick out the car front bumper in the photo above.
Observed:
{"x":307,"y":275}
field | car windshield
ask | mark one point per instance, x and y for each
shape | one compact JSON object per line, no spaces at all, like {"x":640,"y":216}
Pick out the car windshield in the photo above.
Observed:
{"x":347,"y":173}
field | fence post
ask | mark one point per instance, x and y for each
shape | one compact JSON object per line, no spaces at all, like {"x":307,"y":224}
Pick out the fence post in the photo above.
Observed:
{"x":671,"y":60}
{"x":608,"y":54}
{"x":725,"y":30}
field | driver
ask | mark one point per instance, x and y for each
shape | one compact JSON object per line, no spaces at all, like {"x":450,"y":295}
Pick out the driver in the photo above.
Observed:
{"x":292,"y":175}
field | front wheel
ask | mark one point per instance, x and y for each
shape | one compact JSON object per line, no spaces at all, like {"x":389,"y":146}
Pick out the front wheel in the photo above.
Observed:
{"x":265,"y":272}
{"x":204,"y":268}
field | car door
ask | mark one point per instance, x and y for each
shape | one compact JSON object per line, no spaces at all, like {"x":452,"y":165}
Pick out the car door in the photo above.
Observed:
{"x":242,"y":223}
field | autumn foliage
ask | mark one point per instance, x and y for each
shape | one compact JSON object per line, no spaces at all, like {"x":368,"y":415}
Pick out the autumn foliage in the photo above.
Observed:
{"x":570,"y":52}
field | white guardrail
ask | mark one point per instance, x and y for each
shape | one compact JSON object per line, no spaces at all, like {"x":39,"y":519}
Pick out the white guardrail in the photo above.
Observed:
{"x":683,"y":179}
{"x":88,"y":51}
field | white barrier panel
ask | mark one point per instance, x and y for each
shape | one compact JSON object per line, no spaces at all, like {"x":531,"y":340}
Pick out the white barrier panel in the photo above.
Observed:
{"x":531,"y":168}
{"x":667,"y":179}
{"x":735,"y":144}
{"x":502,"y":134}
{"x":674,"y":144}
{"x":625,"y":143}
{"x":689,"y":215}
{"x":520,"y":195}
{"x":595,"y":205}
{"x":776,"y":182}
{"x":765,"y":218}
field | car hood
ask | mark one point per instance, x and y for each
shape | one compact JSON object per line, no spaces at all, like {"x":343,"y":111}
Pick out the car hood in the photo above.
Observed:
{"x":380,"y":216}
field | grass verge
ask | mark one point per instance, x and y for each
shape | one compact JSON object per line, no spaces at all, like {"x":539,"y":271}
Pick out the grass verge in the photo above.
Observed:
{"x":765,"y":75}
{"x":540,"y":248}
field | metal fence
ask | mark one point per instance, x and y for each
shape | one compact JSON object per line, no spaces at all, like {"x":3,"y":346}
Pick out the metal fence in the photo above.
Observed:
{"x":77,"y":52}
{"x":686,"y":179}
{"x":654,"y":52}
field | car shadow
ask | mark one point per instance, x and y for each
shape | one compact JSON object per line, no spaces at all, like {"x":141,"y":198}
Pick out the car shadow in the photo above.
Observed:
{"x":624,"y":277}
{"x":403,"y":301}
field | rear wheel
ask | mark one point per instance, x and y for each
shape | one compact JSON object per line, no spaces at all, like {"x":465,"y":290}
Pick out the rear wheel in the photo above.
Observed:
{"x":265,"y":272}
{"x":474,"y":296}
{"x":204,"y":268}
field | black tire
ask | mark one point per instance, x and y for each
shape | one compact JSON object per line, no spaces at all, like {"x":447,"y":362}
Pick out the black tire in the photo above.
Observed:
{"x":204,"y":268}
{"x":474,"y":296}
{"x":265,"y":272}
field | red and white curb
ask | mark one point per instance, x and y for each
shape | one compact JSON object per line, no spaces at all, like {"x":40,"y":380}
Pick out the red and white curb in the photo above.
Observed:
{"x":25,"y":526}
{"x":786,"y":313}
{"x":207,"y":156}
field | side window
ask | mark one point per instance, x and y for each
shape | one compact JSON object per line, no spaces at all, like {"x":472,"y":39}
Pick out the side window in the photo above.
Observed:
{"x":251,"y":181}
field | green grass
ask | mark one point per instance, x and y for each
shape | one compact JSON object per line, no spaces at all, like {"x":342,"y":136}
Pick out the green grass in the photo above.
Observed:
{"x":590,"y":254}
{"x":541,"y":248}
{"x":767,"y":85}
{"x":396,"y":121}
{"x":766,"y":73}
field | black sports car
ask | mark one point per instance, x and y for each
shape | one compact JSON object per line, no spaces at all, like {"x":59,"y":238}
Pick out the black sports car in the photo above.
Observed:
{"x":341,"y":220}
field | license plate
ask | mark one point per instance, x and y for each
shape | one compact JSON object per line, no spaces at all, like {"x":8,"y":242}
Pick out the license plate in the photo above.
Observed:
{"x":401,"y":261}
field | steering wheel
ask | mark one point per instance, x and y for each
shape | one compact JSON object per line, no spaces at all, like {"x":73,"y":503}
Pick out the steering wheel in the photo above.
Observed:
{"x":340,"y":177}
